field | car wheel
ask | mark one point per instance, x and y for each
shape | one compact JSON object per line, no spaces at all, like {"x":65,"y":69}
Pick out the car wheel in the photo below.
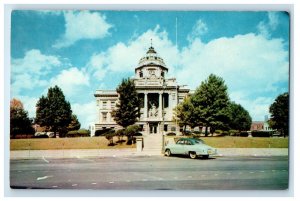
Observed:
{"x":168,"y":152}
{"x":193,"y":155}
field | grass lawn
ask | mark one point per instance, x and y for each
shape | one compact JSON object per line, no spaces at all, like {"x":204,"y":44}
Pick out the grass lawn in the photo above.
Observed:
{"x":65,"y":143}
{"x":101,"y":143}
{"x":246,"y":142}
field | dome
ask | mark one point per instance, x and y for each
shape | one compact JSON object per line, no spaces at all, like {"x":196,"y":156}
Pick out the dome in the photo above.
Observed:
{"x":151,"y":59}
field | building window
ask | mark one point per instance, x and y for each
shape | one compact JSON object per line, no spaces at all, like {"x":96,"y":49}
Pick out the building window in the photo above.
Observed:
{"x":166,"y":100}
{"x":165,"y":127}
{"x":104,"y":105}
{"x":141,"y":127}
{"x":162,"y":73}
{"x":113,"y":104}
{"x":141,"y":74}
{"x":104,"y":116}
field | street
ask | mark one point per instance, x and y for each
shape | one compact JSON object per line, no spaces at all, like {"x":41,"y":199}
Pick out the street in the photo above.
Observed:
{"x":152,"y":172}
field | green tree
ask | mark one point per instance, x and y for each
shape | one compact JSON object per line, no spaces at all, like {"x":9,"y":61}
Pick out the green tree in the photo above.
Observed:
{"x":75,"y":124}
{"x":210,"y":101}
{"x":184,"y":114}
{"x":240,"y":118}
{"x":20,"y":123}
{"x":127,"y":109}
{"x":279,"y":111}
{"x":54,"y":112}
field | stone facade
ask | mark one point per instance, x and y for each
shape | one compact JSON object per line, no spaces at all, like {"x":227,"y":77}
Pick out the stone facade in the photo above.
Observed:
{"x":160,"y":95}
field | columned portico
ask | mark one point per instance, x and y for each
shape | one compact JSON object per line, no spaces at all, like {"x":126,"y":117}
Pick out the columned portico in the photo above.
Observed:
{"x":160,"y":105}
{"x":145,"y":106}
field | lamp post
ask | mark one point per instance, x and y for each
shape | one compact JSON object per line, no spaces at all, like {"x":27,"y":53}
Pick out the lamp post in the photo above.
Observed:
{"x":163,"y":116}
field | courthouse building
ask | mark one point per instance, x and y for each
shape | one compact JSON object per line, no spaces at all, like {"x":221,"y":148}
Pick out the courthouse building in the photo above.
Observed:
{"x":160,"y":96}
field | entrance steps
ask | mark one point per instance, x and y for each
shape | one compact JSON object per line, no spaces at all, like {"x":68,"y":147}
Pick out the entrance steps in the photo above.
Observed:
{"x":152,"y":143}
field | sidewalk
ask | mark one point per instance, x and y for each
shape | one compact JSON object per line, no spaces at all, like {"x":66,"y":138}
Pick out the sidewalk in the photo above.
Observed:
{"x":85,"y":153}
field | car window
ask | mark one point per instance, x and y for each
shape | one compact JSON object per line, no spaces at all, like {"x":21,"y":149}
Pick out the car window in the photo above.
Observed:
{"x":198,"y":142}
{"x":180,"y":142}
{"x":187,"y":142}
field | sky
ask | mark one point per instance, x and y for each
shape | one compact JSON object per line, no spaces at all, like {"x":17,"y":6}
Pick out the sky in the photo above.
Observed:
{"x":82,"y":51}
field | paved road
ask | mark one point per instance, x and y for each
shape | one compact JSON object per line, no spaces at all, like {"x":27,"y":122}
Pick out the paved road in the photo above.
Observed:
{"x":152,"y":172}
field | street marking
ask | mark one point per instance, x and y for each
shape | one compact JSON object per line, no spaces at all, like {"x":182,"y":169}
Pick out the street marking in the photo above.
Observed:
{"x":240,"y":173}
{"x":94,"y":183}
{"x":145,"y":179}
{"x":54,"y":186}
{"x":228,"y":173}
{"x":216,"y":174}
{"x":19,"y":171}
{"x":45,"y":177}
{"x":262,"y":171}
{"x":33,"y":171}
{"x":283,"y":170}
{"x":128,"y":181}
{"x":111,"y":182}
{"x":189,"y":176}
{"x":74,"y":184}
{"x":175,"y":177}
{"x":273,"y":170}
{"x":203,"y":175}
{"x":251,"y":172}
{"x":45,"y":159}
{"x":114,"y":156}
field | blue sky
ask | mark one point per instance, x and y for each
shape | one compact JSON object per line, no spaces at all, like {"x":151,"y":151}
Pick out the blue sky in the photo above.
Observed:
{"x":81,"y":51}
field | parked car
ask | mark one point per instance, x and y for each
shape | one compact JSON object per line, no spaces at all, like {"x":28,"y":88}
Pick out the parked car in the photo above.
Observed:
{"x":191,"y":147}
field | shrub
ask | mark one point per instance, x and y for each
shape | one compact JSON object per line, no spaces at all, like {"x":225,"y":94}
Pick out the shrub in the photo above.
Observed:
{"x":233,"y":132}
{"x":171,"y":134}
{"x":261,"y":133}
{"x":102,"y":132}
{"x":218,"y":131}
{"x":129,"y":132}
{"x":197,"y":132}
{"x":110,"y":137}
{"x":244,"y":134}
{"x":41,"y":136}
{"x":79,"y":133}
{"x":120,"y":133}
{"x":187,"y":133}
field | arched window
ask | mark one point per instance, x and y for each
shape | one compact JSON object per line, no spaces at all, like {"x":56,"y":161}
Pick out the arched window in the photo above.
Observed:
{"x":141,"y":73}
{"x":162,"y":73}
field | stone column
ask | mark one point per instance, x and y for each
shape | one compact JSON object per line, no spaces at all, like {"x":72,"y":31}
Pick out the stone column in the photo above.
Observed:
{"x":145,"y":105}
{"x":160,"y":105}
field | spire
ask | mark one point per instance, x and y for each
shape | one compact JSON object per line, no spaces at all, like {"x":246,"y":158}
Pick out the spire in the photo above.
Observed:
{"x":151,"y":49}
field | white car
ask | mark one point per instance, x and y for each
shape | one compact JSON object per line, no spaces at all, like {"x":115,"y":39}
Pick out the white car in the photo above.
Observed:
{"x":191,"y":147}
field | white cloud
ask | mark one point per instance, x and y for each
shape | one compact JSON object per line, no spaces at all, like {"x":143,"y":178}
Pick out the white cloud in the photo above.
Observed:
{"x":49,"y":12}
{"x":28,"y":72}
{"x":71,"y":81}
{"x":34,"y":62}
{"x":86,"y":113}
{"x":251,"y":65}
{"x":83,"y":25}
{"x":198,"y":30}
{"x":273,"y":20}
{"x":258,"y":107}
{"x":265,"y":28}
{"x":248,"y":63}
{"x":125,"y":57}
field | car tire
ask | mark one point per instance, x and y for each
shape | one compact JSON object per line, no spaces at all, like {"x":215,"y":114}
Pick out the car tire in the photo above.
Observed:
{"x":192,"y":155}
{"x":168,"y":153}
